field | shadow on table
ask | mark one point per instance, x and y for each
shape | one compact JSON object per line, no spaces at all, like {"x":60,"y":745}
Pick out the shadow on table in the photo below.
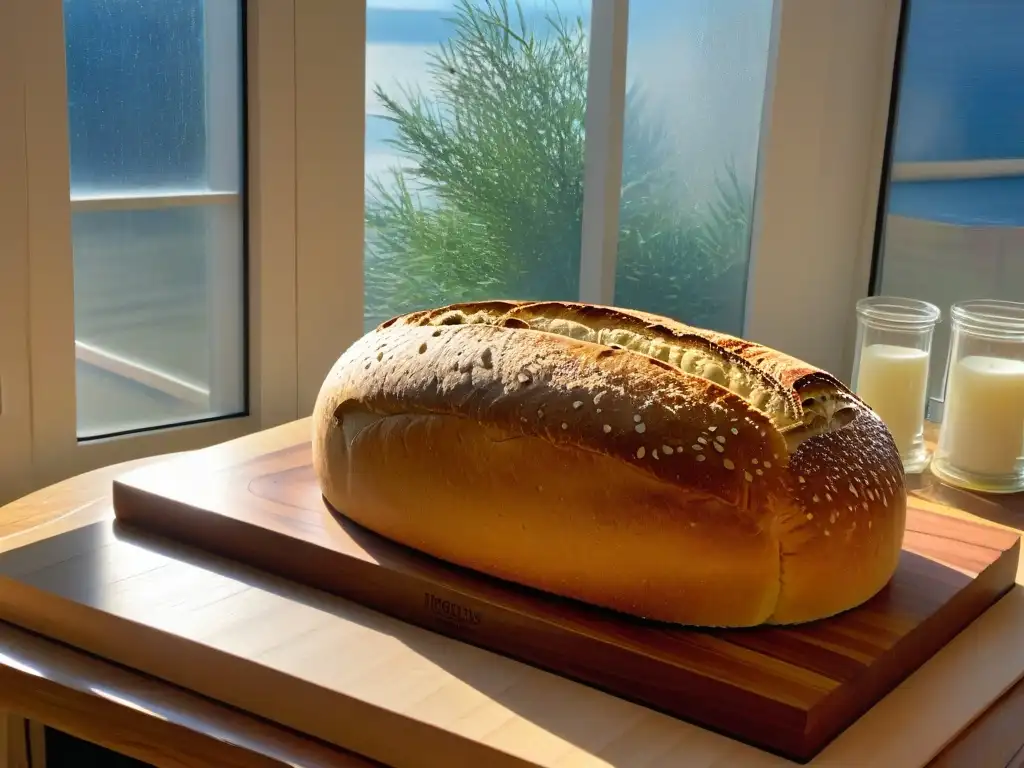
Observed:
{"x":589,"y":723}
{"x":1004,"y":509}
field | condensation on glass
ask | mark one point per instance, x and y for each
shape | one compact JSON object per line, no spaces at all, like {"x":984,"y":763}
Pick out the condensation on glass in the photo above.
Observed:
{"x":157,"y":147}
{"x":696,"y":78}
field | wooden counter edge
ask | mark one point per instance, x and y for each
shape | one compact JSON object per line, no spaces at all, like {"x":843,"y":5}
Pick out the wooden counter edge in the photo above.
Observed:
{"x":994,"y":739}
{"x":140,"y":717}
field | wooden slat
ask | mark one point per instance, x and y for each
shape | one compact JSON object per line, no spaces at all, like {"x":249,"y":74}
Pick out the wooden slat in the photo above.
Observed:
{"x":37,"y":743}
{"x":117,"y":709}
{"x":14,"y":747}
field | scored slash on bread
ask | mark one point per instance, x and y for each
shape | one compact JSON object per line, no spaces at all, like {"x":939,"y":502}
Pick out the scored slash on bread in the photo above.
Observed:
{"x":768,"y":477}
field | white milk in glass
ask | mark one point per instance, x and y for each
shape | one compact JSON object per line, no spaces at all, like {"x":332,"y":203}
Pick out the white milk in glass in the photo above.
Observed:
{"x":893,"y":380}
{"x":983,"y":423}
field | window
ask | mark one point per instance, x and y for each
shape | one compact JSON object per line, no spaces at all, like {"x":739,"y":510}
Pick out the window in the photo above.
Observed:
{"x":726,"y":189}
{"x":225,"y":239}
{"x":696,"y":77}
{"x":953,"y":221}
{"x":150,"y":278}
{"x":474,"y":152}
{"x":157,"y":149}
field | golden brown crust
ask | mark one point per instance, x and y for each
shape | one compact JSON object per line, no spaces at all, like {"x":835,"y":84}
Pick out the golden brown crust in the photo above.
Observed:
{"x":665,"y":339}
{"x":680,"y":428}
{"x":712,"y":422}
{"x":550,"y":517}
{"x":841,"y":528}
{"x":786,"y":369}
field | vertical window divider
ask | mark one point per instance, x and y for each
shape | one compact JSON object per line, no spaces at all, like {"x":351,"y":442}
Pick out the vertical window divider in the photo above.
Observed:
{"x":602,"y":165}
{"x":51,"y":267}
{"x":271,"y":201}
{"x":15,"y":380}
{"x":225,"y":288}
{"x":330,"y":135}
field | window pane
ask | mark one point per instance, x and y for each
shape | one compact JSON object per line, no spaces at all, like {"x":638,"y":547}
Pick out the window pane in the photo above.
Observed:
{"x":146,"y":300}
{"x":155,"y":110}
{"x":136,"y":88}
{"x":140,"y":275}
{"x":954,"y":202}
{"x":474,"y":151}
{"x":696,"y":74}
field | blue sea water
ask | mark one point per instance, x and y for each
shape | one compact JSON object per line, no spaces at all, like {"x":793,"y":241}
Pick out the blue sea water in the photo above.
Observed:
{"x":431,"y":23}
{"x":996,"y":202}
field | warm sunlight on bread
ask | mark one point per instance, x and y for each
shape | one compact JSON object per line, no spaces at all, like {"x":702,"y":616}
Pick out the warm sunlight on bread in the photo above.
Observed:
{"x":615,"y":457}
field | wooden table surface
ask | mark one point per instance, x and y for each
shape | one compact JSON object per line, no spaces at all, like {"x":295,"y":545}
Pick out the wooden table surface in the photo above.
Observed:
{"x":166,"y":726}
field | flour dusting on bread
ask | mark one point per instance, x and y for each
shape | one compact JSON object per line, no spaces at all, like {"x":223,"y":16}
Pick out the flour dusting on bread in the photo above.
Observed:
{"x":724,"y":437}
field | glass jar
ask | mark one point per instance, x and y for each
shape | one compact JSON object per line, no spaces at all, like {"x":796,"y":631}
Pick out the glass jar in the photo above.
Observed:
{"x":981,"y":441}
{"x":890,"y":370}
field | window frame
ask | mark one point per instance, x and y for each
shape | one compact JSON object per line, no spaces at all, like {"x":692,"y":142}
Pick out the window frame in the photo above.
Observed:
{"x":330,"y":136}
{"x":15,"y":378}
{"x":819,"y":176}
{"x":269,"y":290}
{"x":604,"y":125}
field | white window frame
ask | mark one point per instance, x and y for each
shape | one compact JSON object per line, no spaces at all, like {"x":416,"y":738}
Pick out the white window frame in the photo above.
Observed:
{"x":330,"y":126}
{"x":56,"y":450}
{"x":957,"y":170}
{"x":15,"y":379}
{"x":818,"y":179}
{"x":821,"y":163}
{"x":602,"y":151}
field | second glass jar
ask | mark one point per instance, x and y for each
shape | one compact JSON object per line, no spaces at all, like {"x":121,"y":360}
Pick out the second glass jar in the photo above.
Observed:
{"x":981,"y":442}
{"x":894,"y":343}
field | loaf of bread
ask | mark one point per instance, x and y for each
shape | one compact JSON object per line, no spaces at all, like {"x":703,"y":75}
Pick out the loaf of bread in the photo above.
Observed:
{"x":615,"y":457}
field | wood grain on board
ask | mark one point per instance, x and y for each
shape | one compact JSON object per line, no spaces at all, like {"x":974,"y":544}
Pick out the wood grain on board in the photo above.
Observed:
{"x":286,"y":663}
{"x":788,"y":690}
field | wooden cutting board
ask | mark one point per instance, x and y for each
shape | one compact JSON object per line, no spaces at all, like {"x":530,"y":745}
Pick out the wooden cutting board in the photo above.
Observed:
{"x":786,"y":690}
